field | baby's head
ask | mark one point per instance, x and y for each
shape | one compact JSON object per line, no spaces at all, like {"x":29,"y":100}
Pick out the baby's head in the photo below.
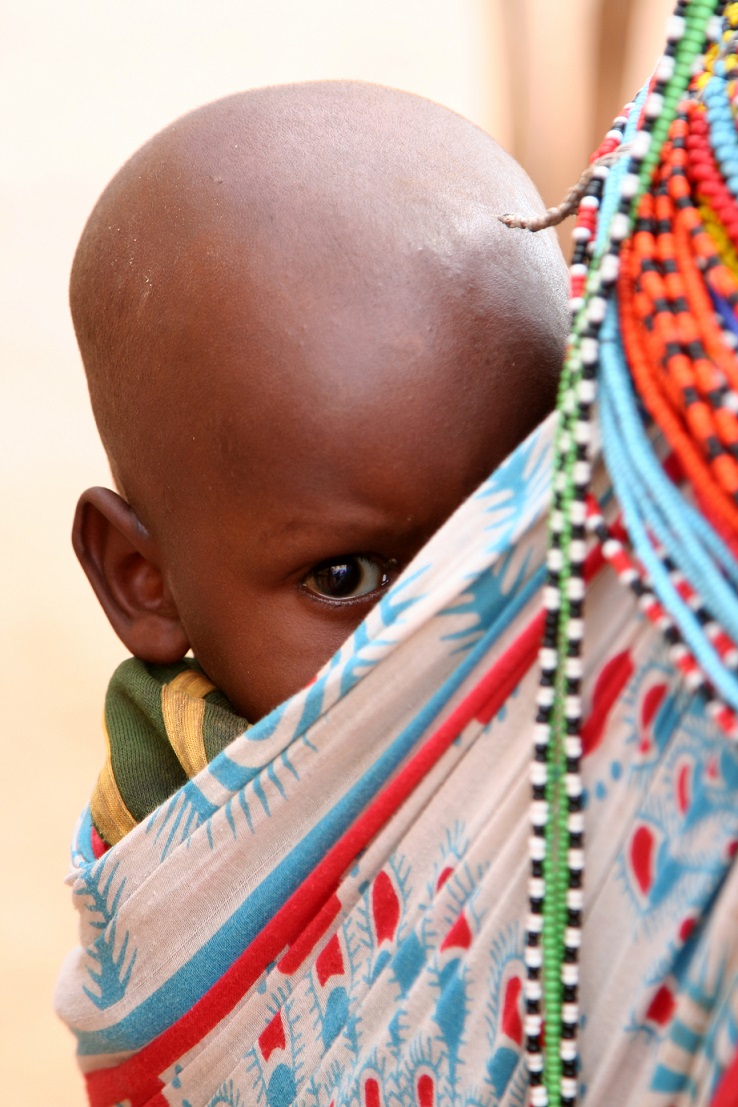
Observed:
{"x":307,"y":338}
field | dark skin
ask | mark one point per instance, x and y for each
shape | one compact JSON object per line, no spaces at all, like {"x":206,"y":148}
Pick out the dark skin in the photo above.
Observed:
{"x":308,"y":340}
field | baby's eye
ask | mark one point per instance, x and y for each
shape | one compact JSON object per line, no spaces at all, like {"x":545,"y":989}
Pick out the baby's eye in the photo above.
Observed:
{"x":348,"y":578}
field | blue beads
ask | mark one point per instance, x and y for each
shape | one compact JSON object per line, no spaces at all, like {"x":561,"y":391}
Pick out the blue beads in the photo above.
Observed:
{"x":723,"y":137}
{"x":653,"y":507}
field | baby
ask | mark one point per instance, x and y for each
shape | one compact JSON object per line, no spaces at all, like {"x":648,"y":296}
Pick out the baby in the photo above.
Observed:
{"x":308,"y":338}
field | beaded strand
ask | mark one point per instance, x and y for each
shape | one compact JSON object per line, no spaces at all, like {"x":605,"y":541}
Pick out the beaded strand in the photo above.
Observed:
{"x":540,"y":842}
{"x":557,"y":838}
{"x":683,"y":365}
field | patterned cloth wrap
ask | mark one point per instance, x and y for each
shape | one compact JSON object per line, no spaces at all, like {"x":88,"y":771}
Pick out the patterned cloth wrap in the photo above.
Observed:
{"x":332,"y":912}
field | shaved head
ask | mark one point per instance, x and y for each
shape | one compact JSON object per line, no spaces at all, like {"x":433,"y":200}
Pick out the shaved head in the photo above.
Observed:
{"x":307,"y":199}
{"x":308,"y":338}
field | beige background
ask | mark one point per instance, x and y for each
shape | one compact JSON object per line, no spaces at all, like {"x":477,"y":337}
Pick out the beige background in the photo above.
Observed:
{"x":82,"y":84}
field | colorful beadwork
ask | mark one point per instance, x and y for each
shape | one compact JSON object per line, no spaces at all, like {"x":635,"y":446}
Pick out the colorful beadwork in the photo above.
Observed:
{"x":654,"y":297}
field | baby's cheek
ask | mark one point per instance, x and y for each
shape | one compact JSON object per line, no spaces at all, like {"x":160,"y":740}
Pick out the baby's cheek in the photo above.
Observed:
{"x":307,"y":642}
{"x":270,"y":653}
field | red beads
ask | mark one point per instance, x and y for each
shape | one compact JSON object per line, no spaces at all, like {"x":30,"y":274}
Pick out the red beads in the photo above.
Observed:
{"x":681,"y":365}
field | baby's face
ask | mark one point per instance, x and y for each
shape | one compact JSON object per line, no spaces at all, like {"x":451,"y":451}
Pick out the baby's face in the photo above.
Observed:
{"x":308,"y":338}
{"x":272,"y":572}
{"x":314,"y":463}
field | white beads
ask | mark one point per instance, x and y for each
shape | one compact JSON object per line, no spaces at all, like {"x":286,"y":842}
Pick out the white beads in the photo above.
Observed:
{"x":572,"y":703}
{"x":582,"y":472}
{"x":586,"y":390}
{"x":714,"y":28}
{"x":568,"y":1087}
{"x":573,"y":939}
{"x":570,"y":974}
{"x":589,"y":350}
{"x":582,"y":433}
{"x":619,"y":226}
{"x":537,"y":847}
{"x":596,"y":310}
{"x":573,"y":670}
{"x":555,"y":559}
{"x":551,"y":599}
{"x":629,"y":186}
{"x":641,"y":144}
{"x":665,"y":68}
{"x":573,"y":745}
{"x":532,"y":991}
{"x":694,"y":680}
{"x":535,"y":924}
{"x":678,"y":652}
{"x":533,"y":957}
{"x":654,"y":105}
{"x":539,"y":813}
{"x":538,"y":774}
{"x":573,"y":785}
{"x":538,"y":1095}
{"x":568,"y":1050}
{"x":544,"y":697}
{"x":675,"y":28}
{"x":610,"y":264}
{"x":536,"y":1065}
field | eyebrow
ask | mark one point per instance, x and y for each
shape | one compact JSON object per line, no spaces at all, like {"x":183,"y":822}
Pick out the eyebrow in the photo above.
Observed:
{"x":340,"y":532}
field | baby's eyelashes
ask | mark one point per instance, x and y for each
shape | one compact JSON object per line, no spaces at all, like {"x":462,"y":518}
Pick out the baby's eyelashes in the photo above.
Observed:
{"x":350,"y":577}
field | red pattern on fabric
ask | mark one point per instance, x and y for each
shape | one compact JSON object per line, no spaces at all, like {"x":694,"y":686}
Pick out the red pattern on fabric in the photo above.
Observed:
{"x":651,"y":703}
{"x":273,"y":1037}
{"x":97,"y":845}
{"x":304,"y":945}
{"x":512,"y":1023}
{"x":684,"y":788}
{"x":613,"y":677}
{"x":385,"y":907}
{"x":661,"y":1007}
{"x":641,"y":851}
{"x":426,"y":1091}
{"x":372,"y":1097}
{"x":686,"y":927}
{"x":330,"y":961}
{"x":443,"y":877}
{"x":727,"y":1092}
{"x":459,"y":936}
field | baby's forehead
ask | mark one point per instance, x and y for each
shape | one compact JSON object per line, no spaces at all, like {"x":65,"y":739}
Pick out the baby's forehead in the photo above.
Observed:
{"x":323,"y":264}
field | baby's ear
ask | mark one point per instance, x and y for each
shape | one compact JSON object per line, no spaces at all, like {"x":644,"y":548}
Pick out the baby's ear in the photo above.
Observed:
{"x":122,"y":564}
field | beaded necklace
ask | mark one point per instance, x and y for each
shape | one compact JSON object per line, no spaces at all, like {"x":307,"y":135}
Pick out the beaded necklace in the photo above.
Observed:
{"x":654,"y":328}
